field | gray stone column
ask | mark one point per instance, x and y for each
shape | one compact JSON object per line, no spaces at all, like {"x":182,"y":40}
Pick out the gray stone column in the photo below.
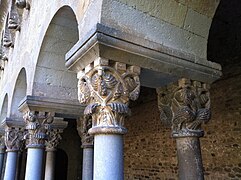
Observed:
{"x":185,"y":106}
{"x":13,"y":142}
{"x":88,"y":147}
{"x":2,"y":153}
{"x":51,"y":144}
{"x":37,"y":124}
{"x":50,"y":164}
{"x":106,"y":88}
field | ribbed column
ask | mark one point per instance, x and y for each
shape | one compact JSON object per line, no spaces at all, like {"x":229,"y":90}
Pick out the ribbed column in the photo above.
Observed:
{"x":106,"y":88}
{"x":185,"y":106}
{"x":37,"y":123}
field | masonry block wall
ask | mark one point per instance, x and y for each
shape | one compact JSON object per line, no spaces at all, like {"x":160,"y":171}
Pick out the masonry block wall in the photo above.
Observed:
{"x":150,"y":151}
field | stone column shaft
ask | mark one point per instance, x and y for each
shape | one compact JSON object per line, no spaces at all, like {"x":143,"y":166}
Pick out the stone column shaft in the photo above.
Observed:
{"x":50,"y":165}
{"x":88,"y":159}
{"x":1,"y":162}
{"x":189,"y":158}
{"x":52,"y":142}
{"x":37,"y":124}
{"x":185,"y":106}
{"x":108,"y":157}
{"x":11,"y":165}
{"x":2,"y":154}
{"x":34,"y":164}
{"x":14,"y":142}
{"x":83,"y":125}
{"x":106,"y":88}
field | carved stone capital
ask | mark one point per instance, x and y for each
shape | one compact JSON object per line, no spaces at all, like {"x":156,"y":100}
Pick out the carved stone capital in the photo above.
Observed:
{"x":84,"y":124}
{"x":14,"y":138}
{"x":185,"y":106}
{"x":53,"y":139}
{"x":37,"y":124}
{"x":106,"y":88}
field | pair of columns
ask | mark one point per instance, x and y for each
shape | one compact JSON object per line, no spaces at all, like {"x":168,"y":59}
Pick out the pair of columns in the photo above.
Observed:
{"x":39,"y":135}
{"x":106,"y":87}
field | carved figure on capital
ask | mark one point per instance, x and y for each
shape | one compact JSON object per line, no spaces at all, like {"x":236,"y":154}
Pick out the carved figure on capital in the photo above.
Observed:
{"x":37,"y":124}
{"x":106,"y":88}
{"x":185,"y":106}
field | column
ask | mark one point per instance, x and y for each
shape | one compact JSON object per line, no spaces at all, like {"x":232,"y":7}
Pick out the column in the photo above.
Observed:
{"x":106,"y":88}
{"x":185,"y":106}
{"x":88,"y":147}
{"x":13,"y":142}
{"x":54,"y":138}
{"x":2,"y":152}
{"x":37,"y":124}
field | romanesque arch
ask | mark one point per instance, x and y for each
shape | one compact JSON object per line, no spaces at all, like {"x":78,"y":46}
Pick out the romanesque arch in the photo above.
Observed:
{"x":4,"y":108}
{"x":51,"y":77}
{"x":18,"y":94}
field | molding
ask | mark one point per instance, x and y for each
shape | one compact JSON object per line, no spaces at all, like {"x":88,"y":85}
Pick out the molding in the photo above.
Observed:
{"x":62,"y":108}
{"x":9,"y":122}
{"x":163,"y":62}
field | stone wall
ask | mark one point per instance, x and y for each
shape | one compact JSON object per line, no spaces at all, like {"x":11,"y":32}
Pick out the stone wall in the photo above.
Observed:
{"x":189,"y":20}
{"x":150,"y":151}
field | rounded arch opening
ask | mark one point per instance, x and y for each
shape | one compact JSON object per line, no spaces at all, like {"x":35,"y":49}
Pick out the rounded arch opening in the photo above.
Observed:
{"x":224,"y":41}
{"x":52,"y":79}
{"x":18,"y":94}
{"x":4,"y":109}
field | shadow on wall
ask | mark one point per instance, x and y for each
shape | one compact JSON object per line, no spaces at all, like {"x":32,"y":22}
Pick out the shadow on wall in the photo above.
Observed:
{"x":61,"y":164}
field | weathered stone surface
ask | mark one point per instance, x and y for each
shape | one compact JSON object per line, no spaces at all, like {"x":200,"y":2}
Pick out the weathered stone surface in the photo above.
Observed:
{"x":205,"y":7}
{"x":167,"y":10}
{"x":197,"y":23}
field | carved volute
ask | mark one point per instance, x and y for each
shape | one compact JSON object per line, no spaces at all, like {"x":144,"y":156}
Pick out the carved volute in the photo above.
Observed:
{"x":106,"y":88}
{"x":185,"y":106}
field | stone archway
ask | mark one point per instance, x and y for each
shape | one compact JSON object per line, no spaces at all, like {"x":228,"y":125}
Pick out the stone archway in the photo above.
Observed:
{"x":51,"y":77}
{"x":18,"y":94}
{"x":4,"y":108}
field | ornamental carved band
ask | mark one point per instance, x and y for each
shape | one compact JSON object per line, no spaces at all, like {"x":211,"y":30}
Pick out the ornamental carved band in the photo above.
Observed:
{"x":106,"y":88}
{"x":185,"y":106}
{"x":14,"y":139}
{"x":37,"y":124}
